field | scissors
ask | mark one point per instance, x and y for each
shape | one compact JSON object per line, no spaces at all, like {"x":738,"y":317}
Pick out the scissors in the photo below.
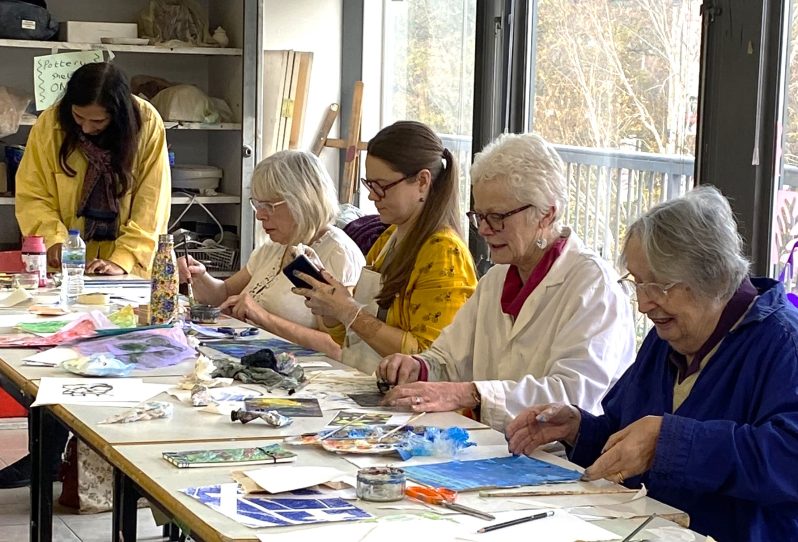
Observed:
{"x":442,"y":496}
{"x":238,"y":332}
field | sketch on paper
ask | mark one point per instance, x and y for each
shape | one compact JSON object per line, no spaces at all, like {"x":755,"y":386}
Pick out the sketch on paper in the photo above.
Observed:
{"x":85,"y":390}
{"x":241,"y":348}
{"x":287,"y":406}
{"x":360,"y":419}
{"x":293,"y":508}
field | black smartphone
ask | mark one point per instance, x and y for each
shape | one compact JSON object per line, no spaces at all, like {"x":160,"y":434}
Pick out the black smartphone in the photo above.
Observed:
{"x":303,"y":264}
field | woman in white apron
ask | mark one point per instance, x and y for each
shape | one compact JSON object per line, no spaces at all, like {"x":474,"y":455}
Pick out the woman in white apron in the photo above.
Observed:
{"x":419,"y":271}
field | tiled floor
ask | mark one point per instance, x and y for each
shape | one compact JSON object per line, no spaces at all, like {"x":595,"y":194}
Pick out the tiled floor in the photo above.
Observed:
{"x":68,"y":526}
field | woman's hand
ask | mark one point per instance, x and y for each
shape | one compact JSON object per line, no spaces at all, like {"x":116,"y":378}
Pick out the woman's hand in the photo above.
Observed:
{"x":432,"y":396}
{"x":330,"y":301}
{"x":192,"y":266}
{"x":103,"y":267}
{"x":399,"y":369}
{"x":54,"y":255}
{"x":310,"y":254}
{"x":541,"y":424}
{"x":628,"y":452}
{"x":244,"y":307}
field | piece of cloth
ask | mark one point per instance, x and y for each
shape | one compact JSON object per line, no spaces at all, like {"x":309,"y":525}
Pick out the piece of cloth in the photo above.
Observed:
{"x":732,"y":312}
{"x":47,"y":198}
{"x":727,"y":455}
{"x":516,"y":291}
{"x":572,"y":340}
{"x":442,"y":280}
{"x":272,"y":289}
{"x":365,"y":231}
{"x":98,"y":205}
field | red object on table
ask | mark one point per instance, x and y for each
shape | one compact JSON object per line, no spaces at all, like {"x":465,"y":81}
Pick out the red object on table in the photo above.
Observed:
{"x":11,"y":261}
{"x":9,"y":408}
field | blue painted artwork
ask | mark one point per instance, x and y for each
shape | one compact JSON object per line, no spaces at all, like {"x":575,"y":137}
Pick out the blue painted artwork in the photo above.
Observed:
{"x":241,"y":348}
{"x":499,"y":472}
{"x":294,"y":508}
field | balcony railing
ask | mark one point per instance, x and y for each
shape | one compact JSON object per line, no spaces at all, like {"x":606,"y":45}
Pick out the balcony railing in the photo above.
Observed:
{"x":608,"y":188}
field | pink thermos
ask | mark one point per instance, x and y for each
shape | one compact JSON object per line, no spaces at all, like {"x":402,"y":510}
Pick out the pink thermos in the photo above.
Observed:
{"x":34,"y":257}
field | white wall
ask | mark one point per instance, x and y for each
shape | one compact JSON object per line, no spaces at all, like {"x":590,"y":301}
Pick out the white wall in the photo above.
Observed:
{"x":313,"y":26}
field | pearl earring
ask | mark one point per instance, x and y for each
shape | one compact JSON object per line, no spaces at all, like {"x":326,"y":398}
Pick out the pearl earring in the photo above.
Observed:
{"x":541,"y":243}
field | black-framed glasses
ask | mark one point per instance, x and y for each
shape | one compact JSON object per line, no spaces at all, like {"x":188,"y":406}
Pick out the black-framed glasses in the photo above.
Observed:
{"x":495,"y":220}
{"x":655,"y":291}
{"x":266,"y":206}
{"x":378,"y":189}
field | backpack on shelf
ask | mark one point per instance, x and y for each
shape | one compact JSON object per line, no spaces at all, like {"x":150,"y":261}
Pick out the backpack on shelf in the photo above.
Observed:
{"x":26,"y":21}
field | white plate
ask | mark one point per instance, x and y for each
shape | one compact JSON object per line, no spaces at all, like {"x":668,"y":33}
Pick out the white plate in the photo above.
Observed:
{"x":125,"y":41}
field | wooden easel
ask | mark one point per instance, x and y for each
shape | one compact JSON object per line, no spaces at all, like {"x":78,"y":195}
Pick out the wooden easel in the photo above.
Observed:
{"x":351,"y":142}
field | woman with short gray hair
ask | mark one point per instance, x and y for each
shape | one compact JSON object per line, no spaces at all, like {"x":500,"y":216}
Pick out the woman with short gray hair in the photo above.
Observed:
{"x":707,"y":416}
{"x":294,"y":199}
{"x":548,"y":321}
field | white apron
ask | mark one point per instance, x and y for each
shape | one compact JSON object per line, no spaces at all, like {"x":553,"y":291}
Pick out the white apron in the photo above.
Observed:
{"x":356,"y":352}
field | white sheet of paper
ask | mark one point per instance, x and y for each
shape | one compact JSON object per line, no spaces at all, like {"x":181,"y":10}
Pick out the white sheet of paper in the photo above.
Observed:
{"x":384,"y":529}
{"x":561,"y":527}
{"x":14,"y":298}
{"x":98,"y":391}
{"x":278,"y":479}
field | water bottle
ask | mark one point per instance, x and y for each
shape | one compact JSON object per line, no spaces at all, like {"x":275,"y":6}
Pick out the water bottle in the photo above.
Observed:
{"x":163,"y":294}
{"x":73,"y":263}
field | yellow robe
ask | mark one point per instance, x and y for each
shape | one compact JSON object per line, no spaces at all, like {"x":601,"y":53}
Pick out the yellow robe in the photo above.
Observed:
{"x":47,"y":198}
{"x":442,"y":280}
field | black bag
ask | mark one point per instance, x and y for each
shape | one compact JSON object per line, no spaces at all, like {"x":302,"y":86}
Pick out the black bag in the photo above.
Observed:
{"x":25,"y":21}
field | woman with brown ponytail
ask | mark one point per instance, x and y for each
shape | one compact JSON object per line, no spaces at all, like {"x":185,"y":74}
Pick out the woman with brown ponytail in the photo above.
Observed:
{"x":420,"y":271}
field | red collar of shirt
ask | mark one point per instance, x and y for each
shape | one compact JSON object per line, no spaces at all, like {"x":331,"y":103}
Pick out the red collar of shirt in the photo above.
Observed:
{"x":516,"y":291}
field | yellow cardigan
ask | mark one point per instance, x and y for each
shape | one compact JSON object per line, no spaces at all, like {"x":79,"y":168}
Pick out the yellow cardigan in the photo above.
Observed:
{"x":47,"y":199}
{"x":442,"y":280}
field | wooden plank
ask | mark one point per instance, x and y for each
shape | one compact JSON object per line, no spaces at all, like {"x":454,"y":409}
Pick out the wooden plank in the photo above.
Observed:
{"x":351,"y":161}
{"x":326,"y":125}
{"x":341,"y":144}
{"x":303,"y":63}
{"x":274,"y":66}
{"x":157,"y":49}
{"x":284,"y":130}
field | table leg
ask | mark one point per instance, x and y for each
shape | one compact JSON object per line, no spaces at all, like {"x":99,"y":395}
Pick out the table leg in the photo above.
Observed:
{"x":125,"y":510}
{"x":41,"y":479}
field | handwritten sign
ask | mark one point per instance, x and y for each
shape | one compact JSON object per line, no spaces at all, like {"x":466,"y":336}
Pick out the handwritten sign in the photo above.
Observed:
{"x":51,"y":74}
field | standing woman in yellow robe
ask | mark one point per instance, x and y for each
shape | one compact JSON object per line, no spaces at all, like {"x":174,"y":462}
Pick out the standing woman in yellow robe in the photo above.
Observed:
{"x":419,"y":271}
{"x":97,"y":162}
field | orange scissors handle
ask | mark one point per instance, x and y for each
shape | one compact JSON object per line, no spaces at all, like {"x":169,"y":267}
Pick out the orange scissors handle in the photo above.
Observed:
{"x":430,"y":495}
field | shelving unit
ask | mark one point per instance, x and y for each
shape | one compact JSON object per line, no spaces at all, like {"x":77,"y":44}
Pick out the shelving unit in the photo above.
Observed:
{"x":219,"y":72}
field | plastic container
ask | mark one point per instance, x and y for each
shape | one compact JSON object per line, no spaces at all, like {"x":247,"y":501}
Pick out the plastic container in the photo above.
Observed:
{"x":73,"y":265}
{"x":199,"y":178}
{"x":28,"y":281}
{"x":34,"y":257}
{"x":381,"y":484}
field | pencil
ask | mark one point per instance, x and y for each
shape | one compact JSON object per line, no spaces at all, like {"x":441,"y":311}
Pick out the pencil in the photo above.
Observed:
{"x":518,"y":521}
{"x":408,"y":422}
{"x":639,"y":528}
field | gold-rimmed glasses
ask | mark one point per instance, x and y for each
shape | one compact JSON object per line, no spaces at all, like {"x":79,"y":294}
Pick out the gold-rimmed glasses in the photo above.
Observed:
{"x":656,"y":291}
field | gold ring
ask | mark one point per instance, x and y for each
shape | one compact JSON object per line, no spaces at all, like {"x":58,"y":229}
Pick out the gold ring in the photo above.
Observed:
{"x":620,"y":478}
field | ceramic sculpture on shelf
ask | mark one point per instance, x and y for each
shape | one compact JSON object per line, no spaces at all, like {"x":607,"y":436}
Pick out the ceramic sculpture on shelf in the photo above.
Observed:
{"x":220,"y":37}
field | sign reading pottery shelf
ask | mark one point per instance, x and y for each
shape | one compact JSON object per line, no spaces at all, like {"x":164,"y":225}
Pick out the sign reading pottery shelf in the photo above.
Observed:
{"x":51,"y":74}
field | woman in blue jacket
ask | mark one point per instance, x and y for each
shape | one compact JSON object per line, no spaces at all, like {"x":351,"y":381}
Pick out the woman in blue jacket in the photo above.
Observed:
{"x":707,"y":416}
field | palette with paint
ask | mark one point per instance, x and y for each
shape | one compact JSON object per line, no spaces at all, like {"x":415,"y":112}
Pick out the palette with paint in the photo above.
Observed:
{"x":358,"y":440}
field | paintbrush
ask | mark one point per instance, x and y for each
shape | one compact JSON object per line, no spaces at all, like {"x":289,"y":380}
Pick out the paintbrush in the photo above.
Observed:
{"x":189,"y":288}
{"x":639,"y":528}
{"x":395,"y":429}
{"x":353,"y":422}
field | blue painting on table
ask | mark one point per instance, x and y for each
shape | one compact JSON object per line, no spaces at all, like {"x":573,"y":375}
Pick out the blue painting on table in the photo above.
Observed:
{"x":293,"y":508}
{"x":499,"y":472}
{"x":241,"y":348}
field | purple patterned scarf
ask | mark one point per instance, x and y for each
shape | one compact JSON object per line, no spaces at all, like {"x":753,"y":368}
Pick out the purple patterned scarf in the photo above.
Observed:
{"x":98,"y":203}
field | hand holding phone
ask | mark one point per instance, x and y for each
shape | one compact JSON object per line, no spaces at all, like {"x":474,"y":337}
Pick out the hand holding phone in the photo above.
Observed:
{"x":303,"y":264}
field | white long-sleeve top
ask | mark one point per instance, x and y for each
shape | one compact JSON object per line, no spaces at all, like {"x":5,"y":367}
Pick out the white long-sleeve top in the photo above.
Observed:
{"x":572,"y":340}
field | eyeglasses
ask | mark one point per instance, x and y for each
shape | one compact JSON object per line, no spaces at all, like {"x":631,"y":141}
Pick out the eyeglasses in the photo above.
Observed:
{"x":652,"y":290}
{"x":266,"y":206}
{"x":495,"y":220}
{"x":378,"y":189}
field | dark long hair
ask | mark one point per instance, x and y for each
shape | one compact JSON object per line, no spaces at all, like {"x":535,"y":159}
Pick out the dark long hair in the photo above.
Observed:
{"x":106,"y":85}
{"x":408,"y":147}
